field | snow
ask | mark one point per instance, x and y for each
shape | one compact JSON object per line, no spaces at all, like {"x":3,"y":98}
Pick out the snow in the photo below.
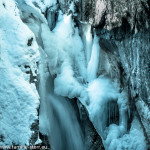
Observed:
{"x":18,"y":98}
{"x":49,"y":47}
{"x":133,"y":140}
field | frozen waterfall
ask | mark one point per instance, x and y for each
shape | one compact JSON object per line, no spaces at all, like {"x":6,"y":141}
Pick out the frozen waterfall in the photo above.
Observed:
{"x":72,"y":64}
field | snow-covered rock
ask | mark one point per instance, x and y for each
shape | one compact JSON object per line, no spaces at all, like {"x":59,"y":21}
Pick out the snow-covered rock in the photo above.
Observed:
{"x":19,"y":98}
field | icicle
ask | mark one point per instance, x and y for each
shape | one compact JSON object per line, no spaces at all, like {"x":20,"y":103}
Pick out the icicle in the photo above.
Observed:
{"x":94,"y":60}
{"x":87,"y":40}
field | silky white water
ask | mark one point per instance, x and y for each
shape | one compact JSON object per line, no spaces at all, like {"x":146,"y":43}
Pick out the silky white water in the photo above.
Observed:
{"x":57,"y":117}
{"x":65,"y":132}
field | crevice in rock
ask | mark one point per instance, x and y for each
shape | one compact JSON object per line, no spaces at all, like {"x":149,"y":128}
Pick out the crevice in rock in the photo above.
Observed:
{"x":30,"y":41}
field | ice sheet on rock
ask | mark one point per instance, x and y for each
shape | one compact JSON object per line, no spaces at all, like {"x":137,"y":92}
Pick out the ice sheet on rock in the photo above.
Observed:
{"x":18,"y":104}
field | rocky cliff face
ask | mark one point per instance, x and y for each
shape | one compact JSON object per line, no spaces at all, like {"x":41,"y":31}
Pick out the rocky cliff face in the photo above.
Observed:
{"x":112,"y":12}
{"x":128,"y":55}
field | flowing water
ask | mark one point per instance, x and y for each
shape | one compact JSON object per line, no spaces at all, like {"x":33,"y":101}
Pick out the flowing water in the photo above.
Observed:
{"x":63,"y":129}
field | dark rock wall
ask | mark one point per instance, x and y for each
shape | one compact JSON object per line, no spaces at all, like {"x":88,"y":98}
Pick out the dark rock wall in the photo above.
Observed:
{"x":112,"y":12}
{"x":128,"y":56}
